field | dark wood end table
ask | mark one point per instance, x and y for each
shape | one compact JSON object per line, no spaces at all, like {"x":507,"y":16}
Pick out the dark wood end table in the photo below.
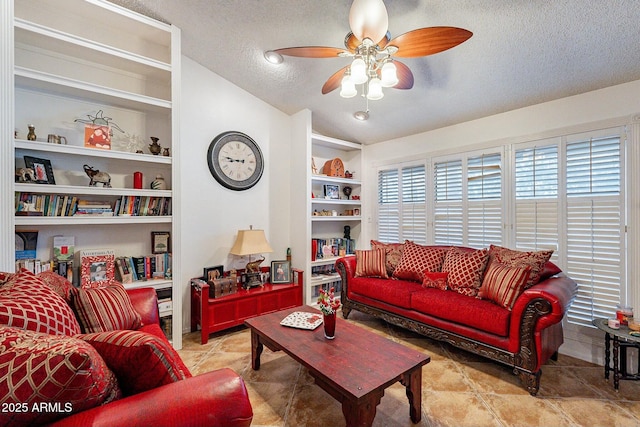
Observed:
{"x":354,"y":368}
{"x":619,"y":357}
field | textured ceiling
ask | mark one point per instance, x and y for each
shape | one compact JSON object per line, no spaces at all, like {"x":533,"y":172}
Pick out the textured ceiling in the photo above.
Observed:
{"x":522,"y":52}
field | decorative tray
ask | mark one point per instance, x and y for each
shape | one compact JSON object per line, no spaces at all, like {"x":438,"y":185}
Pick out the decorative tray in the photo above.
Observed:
{"x":302,"y":320}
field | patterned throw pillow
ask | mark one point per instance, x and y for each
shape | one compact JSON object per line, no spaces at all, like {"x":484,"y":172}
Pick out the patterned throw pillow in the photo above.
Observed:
{"x":465,"y":269}
{"x":59,"y":284}
{"x":435,"y":279}
{"x":503,"y":284}
{"x":416,"y":259}
{"x":105,"y":309}
{"x":393,"y":254}
{"x":26,"y":302}
{"x":139,"y":360}
{"x":513,"y":258}
{"x":61,"y":370}
{"x":371,"y":263}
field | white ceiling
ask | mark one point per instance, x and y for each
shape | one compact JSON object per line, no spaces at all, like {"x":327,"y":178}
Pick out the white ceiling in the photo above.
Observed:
{"x":522,"y":52}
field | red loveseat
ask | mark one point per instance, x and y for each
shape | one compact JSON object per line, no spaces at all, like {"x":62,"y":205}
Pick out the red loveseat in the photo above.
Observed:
{"x":523,"y":335}
{"x":51,"y":375}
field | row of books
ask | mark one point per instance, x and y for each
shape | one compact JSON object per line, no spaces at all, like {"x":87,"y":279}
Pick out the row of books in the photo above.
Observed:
{"x":332,"y":247}
{"x":136,"y":268}
{"x":68,"y":205}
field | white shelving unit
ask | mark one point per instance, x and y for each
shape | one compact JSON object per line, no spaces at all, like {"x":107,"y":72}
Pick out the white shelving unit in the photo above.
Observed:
{"x":81,"y":59}
{"x":315,"y":224}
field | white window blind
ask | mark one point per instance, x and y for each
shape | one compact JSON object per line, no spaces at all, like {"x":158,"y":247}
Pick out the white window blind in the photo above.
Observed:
{"x":484,"y":209}
{"x":402,"y":204}
{"x":448,"y":221}
{"x":595,"y":239}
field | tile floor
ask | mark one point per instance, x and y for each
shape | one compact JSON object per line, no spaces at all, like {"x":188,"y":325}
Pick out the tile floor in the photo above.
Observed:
{"x":459,"y":388}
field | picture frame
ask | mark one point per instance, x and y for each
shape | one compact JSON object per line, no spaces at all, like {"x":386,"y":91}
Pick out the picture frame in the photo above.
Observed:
{"x":280,"y":271}
{"x":212,"y":273}
{"x":43,"y":172}
{"x":331,"y":191}
{"x":97,"y":268}
{"x":160,"y":242}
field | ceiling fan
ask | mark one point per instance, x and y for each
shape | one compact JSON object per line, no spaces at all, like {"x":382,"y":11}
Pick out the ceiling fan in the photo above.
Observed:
{"x":374,"y":52}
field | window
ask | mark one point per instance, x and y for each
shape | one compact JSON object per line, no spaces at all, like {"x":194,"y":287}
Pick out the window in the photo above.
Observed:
{"x":402,"y":213}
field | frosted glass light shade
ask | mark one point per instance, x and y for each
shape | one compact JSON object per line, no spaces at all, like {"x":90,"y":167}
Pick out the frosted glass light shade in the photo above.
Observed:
{"x":375,"y":89}
{"x":348,"y":88}
{"x":358,"y":71}
{"x":369,"y":19}
{"x":389,"y":75}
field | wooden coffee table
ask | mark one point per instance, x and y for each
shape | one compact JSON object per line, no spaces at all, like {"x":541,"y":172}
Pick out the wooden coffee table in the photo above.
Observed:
{"x":354,"y":368}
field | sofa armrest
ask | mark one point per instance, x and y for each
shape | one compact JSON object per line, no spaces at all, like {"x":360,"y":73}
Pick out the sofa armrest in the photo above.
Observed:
{"x":349,"y":264}
{"x":217,"y":398}
{"x":145,"y":301}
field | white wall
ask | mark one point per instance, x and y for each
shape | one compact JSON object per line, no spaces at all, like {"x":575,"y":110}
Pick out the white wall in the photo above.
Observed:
{"x":212,"y":214}
{"x":613,"y":105}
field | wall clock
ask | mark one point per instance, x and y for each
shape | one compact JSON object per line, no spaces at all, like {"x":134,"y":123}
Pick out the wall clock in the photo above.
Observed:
{"x":235,"y":160}
{"x":334,"y":167}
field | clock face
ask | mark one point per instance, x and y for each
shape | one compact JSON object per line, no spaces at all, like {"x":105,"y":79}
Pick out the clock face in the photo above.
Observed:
{"x":235,"y":161}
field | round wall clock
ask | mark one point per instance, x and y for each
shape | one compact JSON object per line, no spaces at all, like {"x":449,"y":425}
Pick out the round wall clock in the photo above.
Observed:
{"x":235,"y":160}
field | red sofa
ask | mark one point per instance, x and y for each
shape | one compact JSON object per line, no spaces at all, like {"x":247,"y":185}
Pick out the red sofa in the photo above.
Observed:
{"x":524,"y":337}
{"x":217,"y":398}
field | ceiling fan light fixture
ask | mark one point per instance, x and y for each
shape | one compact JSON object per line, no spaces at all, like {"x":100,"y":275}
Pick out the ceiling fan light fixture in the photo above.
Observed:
{"x":273,"y":57}
{"x":389,"y":75}
{"x":348,"y":88}
{"x":369,"y":19}
{"x":361,"y":115}
{"x":375,"y":89}
{"x":358,"y":71}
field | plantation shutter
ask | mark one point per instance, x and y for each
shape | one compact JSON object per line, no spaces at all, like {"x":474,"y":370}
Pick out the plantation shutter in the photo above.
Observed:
{"x":536,"y":194}
{"x":484,"y":194}
{"x":595,"y":219}
{"x":448,"y":217}
{"x":388,"y":206}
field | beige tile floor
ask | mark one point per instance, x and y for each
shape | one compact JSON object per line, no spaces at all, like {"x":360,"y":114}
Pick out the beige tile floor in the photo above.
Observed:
{"x":459,"y":388}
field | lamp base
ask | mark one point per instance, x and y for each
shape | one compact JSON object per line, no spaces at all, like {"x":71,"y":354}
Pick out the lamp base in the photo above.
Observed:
{"x":253,"y":280}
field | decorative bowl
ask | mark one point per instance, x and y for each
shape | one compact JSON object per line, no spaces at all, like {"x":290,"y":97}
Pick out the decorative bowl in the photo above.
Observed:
{"x":634,"y":324}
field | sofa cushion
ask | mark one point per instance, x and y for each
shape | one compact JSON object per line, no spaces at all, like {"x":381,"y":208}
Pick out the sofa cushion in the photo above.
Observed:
{"x":435,"y":279}
{"x":59,"y":284}
{"x":27,"y":302}
{"x":105,"y":309}
{"x":61,"y":370}
{"x":394,"y":292}
{"x":454,"y":307}
{"x":465,"y":269}
{"x":393,"y":253}
{"x":513,"y":258}
{"x":503,"y":284}
{"x":416,"y":259}
{"x":371,"y":263}
{"x":139,"y":360}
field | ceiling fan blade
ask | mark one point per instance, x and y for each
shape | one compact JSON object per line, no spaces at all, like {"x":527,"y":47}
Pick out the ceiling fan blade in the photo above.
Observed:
{"x":405,"y":76}
{"x":427,"y":41}
{"x":312,"y":51}
{"x":334,"y":81}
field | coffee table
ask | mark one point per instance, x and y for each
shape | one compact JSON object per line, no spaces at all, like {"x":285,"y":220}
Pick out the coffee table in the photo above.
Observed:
{"x":354,"y":368}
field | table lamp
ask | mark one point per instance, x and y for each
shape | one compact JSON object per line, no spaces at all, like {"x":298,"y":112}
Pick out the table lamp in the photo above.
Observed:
{"x":251,"y":242}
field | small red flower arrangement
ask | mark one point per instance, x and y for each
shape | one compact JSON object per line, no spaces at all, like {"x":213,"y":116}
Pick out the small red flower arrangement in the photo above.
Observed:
{"x":328,"y":302}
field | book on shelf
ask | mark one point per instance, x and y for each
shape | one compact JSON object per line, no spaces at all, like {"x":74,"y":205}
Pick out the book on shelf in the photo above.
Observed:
{"x":140,"y":268}
{"x":332,"y":247}
{"x":26,"y":244}
{"x":35,"y":266}
{"x":63,"y":248}
{"x":97,"y":267}
{"x":123,"y":270}
{"x":143,"y":206}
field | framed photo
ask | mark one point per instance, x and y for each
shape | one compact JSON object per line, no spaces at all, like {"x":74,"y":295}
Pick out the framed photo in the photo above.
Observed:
{"x":160,"y":242}
{"x":280,"y":271}
{"x":97,"y":268}
{"x":42,"y":169}
{"x":97,"y":136}
{"x":212,"y":273}
{"x":331,"y":191}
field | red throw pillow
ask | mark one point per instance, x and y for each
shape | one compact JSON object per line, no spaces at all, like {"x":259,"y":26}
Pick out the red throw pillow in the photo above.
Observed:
{"x":513,"y":258}
{"x":105,"y":309}
{"x":393,"y":254}
{"x":503,"y":284}
{"x":416,"y":259}
{"x":40,"y":368}
{"x":139,"y":360}
{"x":59,"y":284}
{"x":371,"y":263}
{"x":465,"y":269}
{"x":26,"y":302}
{"x":435,"y":279}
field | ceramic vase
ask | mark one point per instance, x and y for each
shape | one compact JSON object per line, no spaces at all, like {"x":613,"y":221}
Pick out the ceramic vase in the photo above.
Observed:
{"x":329,"y":322}
{"x":158,"y":183}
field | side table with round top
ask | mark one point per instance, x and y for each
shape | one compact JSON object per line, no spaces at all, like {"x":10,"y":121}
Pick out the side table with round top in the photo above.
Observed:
{"x":622,"y":340}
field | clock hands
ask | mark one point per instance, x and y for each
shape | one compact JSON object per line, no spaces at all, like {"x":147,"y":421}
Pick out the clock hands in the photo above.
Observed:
{"x":232,"y":160}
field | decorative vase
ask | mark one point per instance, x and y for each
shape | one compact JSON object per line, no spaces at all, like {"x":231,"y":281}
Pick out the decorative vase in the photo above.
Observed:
{"x":155,"y":148}
{"x":31,"y":136}
{"x":329,"y":322}
{"x":158,"y":183}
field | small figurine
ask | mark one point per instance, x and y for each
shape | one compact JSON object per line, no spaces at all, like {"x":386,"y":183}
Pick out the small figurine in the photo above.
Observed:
{"x":97,"y":177}
{"x":155,"y":148}
{"x":347,"y":191}
{"x":25,"y":175}
{"x":31,"y":136}
{"x":165,"y":152}
{"x":347,"y":232}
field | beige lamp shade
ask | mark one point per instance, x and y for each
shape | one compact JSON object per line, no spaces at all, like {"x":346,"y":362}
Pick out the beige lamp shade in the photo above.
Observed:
{"x":250,"y":242}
